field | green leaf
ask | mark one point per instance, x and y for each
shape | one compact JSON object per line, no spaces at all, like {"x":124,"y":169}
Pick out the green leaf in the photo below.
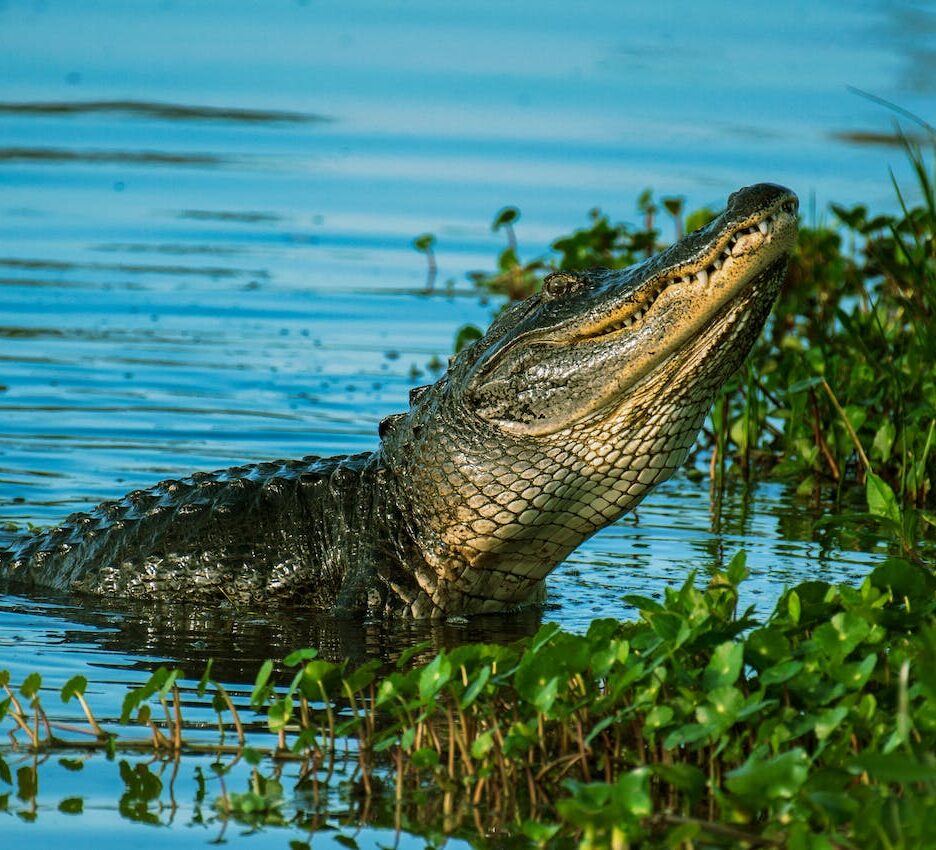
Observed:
{"x":482,"y":744}
{"x":686,"y":777}
{"x":76,"y":685}
{"x":466,"y":335}
{"x":631,"y":793}
{"x":721,"y":708}
{"x":737,"y":568}
{"x":828,"y":721}
{"x":358,"y":680}
{"x":316,"y":674}
{"x":508,"y":215}
{"x":539,"y":832}
{"x":884,"y":441}
{"x":424,"y":242}
{"x":279,"y":713}
{"x":259,"y":694}
{"x":842,"y":634}
{"x":802,"y":386}
{"x":724,"y":666}
{"x":31,"y":685}
{"x":855,"y":675}
{"x":670,"y":627}
{"x":659,"y":715}
{"x":766,"y":647}
{"x":423,"y":758}
{"x":881,"y":499}
{"x":699,"y":218}
{"x":644,"y":604}
{"x":434,"y":676}
{"x":475,"y":688}
{"x":776,"y":777}
{"x":205,"y":679}
{"x":687,"y":734}
{"x":673,"y":204}
{"x":411,"y":652}
{"x":169,"y":681}
{"x":543,"y":636}
{"x":793,"y":606}
{"x":300,"y":656}
{"x":905,"y":580}
{"x":893,"y":767}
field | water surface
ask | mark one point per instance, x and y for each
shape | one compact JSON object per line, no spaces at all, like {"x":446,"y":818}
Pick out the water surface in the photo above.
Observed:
{"x":206,"y":218}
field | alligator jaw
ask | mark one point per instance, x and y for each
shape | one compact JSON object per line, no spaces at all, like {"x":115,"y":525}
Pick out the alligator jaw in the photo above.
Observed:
{"x":584,"y":350}
{"x":731,"y":263}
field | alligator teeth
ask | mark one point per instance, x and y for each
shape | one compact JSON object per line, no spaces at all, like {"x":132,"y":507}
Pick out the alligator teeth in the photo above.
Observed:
{"x":763,"y":226}
{"x":718,"y":263}
{"x":703,"y":277}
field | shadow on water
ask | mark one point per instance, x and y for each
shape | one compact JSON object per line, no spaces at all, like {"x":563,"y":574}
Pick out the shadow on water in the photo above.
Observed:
{"x":143,"y":635}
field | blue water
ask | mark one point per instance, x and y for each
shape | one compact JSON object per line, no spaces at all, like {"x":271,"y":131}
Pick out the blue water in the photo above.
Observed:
{"x":234,"y":280}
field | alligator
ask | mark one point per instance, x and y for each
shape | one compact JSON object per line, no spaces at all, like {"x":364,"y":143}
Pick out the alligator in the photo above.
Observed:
{"x":572,"y":406}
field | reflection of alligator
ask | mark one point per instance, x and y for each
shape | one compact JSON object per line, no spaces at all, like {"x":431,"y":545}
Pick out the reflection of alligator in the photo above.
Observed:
{"x":571,"y":407}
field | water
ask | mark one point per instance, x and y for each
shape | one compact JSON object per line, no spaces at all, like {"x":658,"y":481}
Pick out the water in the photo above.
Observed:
{"x":206,"y":217}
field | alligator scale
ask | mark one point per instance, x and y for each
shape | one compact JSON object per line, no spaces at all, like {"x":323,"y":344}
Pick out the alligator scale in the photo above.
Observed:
{"x":574,"y":404}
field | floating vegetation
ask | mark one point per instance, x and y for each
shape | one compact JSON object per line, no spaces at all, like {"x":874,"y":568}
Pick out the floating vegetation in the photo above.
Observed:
{"x":696,"y":726}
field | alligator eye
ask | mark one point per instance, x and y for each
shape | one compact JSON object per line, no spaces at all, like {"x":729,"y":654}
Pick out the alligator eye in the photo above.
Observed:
{"x":557,"y":284}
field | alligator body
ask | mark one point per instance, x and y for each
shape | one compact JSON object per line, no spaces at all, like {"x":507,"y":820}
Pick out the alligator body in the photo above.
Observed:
{"x":574,"y":404}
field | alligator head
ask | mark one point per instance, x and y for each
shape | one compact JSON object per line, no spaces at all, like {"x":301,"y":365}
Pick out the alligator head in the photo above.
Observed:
{"x":576,"y":402}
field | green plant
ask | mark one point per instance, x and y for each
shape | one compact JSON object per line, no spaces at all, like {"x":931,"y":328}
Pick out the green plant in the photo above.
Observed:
{"x":695,"y":726}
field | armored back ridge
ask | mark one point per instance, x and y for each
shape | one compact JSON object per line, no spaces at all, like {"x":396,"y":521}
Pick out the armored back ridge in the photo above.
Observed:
{"x":574,"y":404}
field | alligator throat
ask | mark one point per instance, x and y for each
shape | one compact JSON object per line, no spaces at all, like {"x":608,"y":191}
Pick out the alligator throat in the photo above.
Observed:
{"x":574,"y":404}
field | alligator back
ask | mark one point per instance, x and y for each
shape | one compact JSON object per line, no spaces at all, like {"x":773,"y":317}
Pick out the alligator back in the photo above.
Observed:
{"x":253,"y":533}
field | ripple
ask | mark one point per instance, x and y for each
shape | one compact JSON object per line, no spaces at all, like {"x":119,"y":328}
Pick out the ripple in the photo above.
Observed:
{"x":105,"y":157}
{"x":161,"y":111}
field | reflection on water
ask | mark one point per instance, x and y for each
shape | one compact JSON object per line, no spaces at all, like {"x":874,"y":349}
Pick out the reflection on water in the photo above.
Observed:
{"x":159,"y":111}
{"x":205,"y":260}
{"x":61,"y":155}
{"x":152,"y":795}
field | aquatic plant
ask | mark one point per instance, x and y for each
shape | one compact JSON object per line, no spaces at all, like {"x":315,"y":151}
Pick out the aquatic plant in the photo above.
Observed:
{"x":695,"y":726}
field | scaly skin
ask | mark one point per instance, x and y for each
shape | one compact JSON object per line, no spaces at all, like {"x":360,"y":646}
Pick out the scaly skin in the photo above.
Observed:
{"x":562,"y":417}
